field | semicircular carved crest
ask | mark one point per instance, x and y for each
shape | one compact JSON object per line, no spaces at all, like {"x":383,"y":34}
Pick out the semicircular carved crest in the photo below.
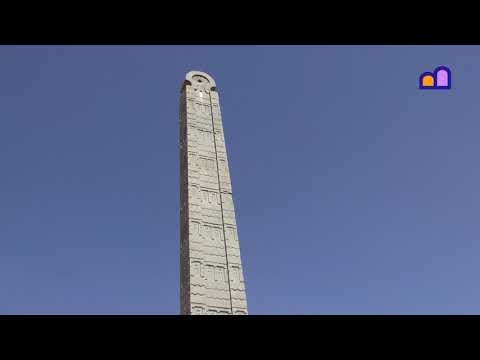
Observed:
{"x":200,"y":80}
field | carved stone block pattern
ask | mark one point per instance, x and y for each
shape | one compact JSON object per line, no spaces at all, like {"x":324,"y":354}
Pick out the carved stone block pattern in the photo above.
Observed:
{"x":211,"y":274}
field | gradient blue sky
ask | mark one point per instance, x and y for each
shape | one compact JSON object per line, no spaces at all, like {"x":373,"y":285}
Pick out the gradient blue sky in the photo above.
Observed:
{"x":356,"y":193}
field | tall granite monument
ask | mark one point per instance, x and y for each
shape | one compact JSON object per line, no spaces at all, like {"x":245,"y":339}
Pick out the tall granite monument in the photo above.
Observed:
{"x":211,"y":276}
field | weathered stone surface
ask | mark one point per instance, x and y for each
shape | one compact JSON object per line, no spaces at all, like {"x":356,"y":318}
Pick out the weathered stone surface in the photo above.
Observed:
{"x":211,"y":275}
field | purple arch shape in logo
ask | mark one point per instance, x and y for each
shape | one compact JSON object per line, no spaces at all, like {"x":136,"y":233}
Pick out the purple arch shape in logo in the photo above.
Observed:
{"x":443,"y":78}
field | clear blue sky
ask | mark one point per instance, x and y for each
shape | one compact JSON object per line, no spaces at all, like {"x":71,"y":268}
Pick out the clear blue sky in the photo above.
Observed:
{"x":355,"y":191}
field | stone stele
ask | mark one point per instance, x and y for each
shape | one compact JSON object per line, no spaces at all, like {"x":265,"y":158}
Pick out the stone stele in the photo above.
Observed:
{"x":211,"y":275}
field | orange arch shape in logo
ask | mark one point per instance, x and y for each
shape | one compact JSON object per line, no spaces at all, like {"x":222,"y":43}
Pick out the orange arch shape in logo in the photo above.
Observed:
{"x":427,"y":80}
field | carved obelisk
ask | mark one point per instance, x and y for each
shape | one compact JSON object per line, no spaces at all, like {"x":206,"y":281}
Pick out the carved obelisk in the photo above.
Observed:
{"x":211,"y":275}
